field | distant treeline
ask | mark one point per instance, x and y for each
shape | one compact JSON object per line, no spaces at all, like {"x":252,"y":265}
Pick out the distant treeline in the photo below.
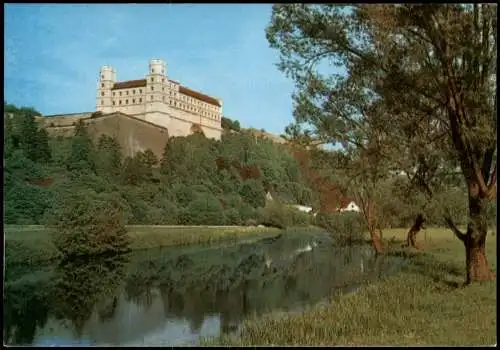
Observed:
{"x":198,"y":181}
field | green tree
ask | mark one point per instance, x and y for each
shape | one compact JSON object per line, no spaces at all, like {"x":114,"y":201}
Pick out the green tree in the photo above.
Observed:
{"x":226,"y":123}
{"x":134,"y":172}
{"x":205,"y":209}
{"x":236,"y":126}
{"x":82,"y":150}
{"x":28,"y":135}
{"x":191,"y":159}
{"x":44,"y":154}
{"x":253,"y":192}
{"x":429,"y":72}
{"x":109,"y":161}
{"x":86,"y":223}
{"x":148,"y":158}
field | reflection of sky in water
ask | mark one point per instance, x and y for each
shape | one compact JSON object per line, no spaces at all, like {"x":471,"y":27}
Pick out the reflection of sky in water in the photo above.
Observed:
{"x":132,"y":325}
{"x":178,"y":332}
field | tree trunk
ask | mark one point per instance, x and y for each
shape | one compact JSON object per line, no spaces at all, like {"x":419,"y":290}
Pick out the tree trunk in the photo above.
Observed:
{"x":476,"y":262}
{"x":475,"y":241}
{"x":414,"y":230}
{"x":371,"y":221}
{"x":376,"y":241}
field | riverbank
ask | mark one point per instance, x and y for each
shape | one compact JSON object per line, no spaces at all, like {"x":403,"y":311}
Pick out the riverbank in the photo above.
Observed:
{"x":32,"y":244}
{"x":425,"y":304}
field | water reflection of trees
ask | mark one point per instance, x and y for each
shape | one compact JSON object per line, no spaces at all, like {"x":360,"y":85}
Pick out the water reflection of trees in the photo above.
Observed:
{"x":233,"y":290}
{"x":81,"y":286}
{"x":249,"y":287}
{"x":24,"y":309}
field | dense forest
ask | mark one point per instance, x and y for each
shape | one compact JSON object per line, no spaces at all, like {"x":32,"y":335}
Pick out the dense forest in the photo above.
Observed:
{"x":198,"y":181}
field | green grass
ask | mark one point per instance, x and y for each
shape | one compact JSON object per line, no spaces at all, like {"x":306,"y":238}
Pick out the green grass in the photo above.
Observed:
{"x":425,"y":304}
{"x":33,"y":245}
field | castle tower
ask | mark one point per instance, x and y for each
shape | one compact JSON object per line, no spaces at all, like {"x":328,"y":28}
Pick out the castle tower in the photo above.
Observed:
{"x":107,"y":78}
{"x":156,"y":81}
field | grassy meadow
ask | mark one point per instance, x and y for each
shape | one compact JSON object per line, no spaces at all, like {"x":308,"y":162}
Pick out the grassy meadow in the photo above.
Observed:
{"x":33,"y":245}
{"x":425,"y":304}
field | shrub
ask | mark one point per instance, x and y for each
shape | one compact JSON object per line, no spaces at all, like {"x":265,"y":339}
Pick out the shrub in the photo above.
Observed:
{"x":86,"y":223}
{"x":252,"y":191}
{"x":205,"y":209}
{"x":275,"y":214}
{"x":247,"y":212}
{"x":232,"y":217}
{"x":346,"y":228}
{"x":251,"y":222}
{"x":299,"y":218}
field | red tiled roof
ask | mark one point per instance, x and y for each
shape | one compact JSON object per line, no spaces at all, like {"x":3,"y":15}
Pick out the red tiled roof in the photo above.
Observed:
{"x":129,"y":84}
{"x":344,"y":202}
{"x":182,"y":89}
{"x":198,"y":95}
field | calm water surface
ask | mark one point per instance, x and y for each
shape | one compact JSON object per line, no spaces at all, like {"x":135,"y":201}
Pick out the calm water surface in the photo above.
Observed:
{"x":175,"y":296}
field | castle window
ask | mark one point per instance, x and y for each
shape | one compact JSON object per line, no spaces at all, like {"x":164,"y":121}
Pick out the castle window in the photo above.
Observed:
{"x":152,"y":88}
{"x":152,"y":70}
{"x":133,"y":92}
{"x":102,"y":85}
{"x":162,"y":79}
{"x":120,"y":102}
{"x":175,"y":104}
{"x":140,"y":91}
{"x":151,"y":97}
{"x":120,"y":93}
{"x":152,"y":79}
{"x":162,"y":89}
{"x":133,"y":100}
{"x":113,"y":93}
{"x":102,"y":102}
{"x":126,"y":102}
{"x":126,"y":92}
{"x":140,"y":100}
{"x":102,"y":93}
{"x":113,"y":103}
{"x":102,"y":76}
{"x":163,"y":98}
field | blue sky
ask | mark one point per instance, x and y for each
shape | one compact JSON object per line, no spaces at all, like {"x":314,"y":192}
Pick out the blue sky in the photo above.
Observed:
{"x":53,"y":54}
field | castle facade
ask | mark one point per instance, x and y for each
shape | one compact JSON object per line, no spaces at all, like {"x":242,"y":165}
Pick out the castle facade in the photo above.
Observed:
{"x":160,"y":101}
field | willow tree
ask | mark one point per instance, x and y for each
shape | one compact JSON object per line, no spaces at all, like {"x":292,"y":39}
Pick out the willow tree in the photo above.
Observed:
{"x":422,"y":77}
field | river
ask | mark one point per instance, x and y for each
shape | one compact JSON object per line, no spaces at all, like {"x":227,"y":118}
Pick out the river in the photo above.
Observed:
{"x":176,"y":296}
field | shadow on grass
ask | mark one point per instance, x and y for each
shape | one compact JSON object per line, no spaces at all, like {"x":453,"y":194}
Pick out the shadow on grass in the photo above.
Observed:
{"x":426,"y":264}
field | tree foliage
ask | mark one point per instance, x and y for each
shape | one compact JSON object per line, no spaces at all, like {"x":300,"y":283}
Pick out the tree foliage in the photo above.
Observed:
{"x":420,"y":83}
{"x":87,"y":223}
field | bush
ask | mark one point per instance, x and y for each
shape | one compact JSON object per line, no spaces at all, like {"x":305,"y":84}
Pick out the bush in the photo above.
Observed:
{"x":275,"y":214}
{"x":346,"y":228}
{"x":86,"y":223}
{"x":247,"y":212}
{"x":251,"y":222}
{"x":205,"y":209}
{"x":299,"y":218}
{"x":232,"y":217}
{"x":252,"y":192}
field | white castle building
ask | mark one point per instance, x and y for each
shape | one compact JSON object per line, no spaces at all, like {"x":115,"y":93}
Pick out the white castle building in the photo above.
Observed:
{"x":160,"y":101}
